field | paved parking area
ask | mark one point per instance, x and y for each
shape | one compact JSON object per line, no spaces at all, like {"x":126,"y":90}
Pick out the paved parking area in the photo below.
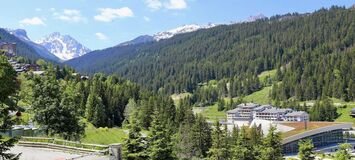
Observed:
{"x":29,"y":153}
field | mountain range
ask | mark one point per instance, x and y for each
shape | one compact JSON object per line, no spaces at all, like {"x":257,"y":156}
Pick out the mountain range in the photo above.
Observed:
{"x":54,"y":47}
{"x":64,"y":47}
{"x":183,"y":61}
{"x":21,"y":34}
{"x":60,"y":48}
{"x":167,"y":34}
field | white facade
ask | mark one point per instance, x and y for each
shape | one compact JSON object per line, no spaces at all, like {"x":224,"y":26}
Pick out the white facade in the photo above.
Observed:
{"x":300,"y":116}
{"x":245,"y":113}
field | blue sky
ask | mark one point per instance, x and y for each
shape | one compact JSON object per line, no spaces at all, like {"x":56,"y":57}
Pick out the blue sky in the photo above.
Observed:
{"x":103,"y":23}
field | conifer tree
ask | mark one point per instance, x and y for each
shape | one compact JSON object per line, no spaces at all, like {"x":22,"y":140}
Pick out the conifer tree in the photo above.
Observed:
{"x":305,"y":150}
{"x":183,"y":142}
{"x":8,"y":87}
{"x":160,"y":146}
{"x":271,"y":148}
{"x":134,"y":147}
{"x":201,"y":136}
{"x":218,"y":150}
{"x":242,"y":149}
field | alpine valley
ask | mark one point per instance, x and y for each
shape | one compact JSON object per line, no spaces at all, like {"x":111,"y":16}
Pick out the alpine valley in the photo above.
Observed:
{"x":275,"y":87}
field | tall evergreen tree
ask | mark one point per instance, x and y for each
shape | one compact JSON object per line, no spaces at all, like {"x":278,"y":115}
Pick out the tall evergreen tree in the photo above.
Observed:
{"x":218,"y":150}
{"x":160,"y":146}
{"x":305,"y":150}
{"x":135,"y":147}
{"x":242,"y":150}
{"x":271,"y":148}
{"x":184,"y":142}
{"x":201,"y":137}
{"x":8,"y":87}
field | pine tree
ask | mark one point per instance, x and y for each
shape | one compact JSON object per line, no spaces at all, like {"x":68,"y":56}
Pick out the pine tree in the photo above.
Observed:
{"x":305,"y":150}
{"x":159,"y":140}
{"x":95,"y":110}
{"x":221,"y":105}
{"x":184,"y":142}
{"x":218,"y":150}
{"x":242,"y":150}
{"x":271,"y":148}
{"x":235,"y":135}
{"x":8,"y":87}
{"x":201,"y":136}
{"x":134,"y":147}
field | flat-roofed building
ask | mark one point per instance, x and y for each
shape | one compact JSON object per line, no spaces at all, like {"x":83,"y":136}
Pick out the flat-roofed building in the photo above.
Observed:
{"x":298,"y":116}
{"x":273,"y":114}
{"x":245,"y":113}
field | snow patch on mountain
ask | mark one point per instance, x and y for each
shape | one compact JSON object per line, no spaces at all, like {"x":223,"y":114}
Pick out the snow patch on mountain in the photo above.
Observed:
{"x":256,"y":17}
{"x":22,"y":35}
{"x":63,"y":46}
{"x":180,"y":30}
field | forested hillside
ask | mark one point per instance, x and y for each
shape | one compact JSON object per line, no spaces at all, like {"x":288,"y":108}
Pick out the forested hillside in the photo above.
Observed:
{"x":22,"y":48}
{"x":313,"y":54}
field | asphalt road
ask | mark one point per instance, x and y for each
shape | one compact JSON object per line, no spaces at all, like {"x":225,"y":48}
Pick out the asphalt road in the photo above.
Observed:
{"x":29,"y":153}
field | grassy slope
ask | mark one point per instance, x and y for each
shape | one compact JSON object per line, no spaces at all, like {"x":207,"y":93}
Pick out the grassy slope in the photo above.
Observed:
{"x":263,"y":75}
{"x":345,"y":113}
{"x":211,"y":113}
{"x":261,"y":97}
{"x":103,"y":135}
{"x":177,"y":97}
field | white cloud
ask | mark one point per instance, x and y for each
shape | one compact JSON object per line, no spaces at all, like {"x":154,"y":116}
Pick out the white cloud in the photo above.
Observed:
{"x":154,"y":4}
{"x":101,"y":36}
{"x":109,"y":14}
{"x":69,"y":15}
{"x":146,"y":18}
{"x":52,"y":9}
{"x":38,"y":9}
{"x":176,"y":4}
{"x":32,"y":21}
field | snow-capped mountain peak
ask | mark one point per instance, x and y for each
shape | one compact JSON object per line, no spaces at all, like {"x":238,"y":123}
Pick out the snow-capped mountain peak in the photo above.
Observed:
{"x":256,"y":17}
{"x":180,"y":30}
{"x":63,"y":46}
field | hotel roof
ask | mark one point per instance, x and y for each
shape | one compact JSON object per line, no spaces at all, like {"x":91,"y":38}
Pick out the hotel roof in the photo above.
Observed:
{"x":276,"y":110}
{"x":295,"y":114}
{"x":235,"y":110}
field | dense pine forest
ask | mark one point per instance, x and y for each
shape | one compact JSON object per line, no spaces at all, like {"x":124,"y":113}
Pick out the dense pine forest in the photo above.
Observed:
{"x":313,"y":54}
